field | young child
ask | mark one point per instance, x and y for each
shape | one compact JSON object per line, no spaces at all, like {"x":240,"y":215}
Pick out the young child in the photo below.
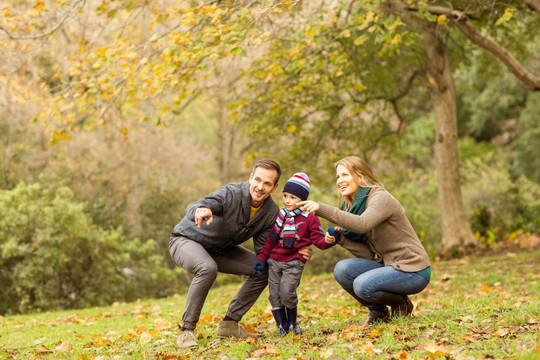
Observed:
{"x":292,"y":230}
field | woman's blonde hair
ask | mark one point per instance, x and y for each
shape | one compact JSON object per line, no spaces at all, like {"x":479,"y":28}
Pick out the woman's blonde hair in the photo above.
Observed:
{"x":362,"y":176}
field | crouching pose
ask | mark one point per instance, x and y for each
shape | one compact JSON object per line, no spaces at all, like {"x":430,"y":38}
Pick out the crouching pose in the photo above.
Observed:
{"x":390,"y":263}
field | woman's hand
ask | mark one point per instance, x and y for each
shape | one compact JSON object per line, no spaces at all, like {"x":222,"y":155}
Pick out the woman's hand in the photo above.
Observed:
{"x":309,"y":205}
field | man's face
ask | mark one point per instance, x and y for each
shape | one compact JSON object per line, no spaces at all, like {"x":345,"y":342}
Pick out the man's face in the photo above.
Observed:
{"x":261,"y":185}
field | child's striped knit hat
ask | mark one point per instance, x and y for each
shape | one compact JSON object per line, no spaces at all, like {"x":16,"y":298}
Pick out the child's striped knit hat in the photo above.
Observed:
{"x":298,"y":185}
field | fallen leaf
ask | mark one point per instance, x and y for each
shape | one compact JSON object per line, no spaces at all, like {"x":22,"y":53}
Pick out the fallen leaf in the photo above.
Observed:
{"x":271,"y":349}
{"x":436,"y":350}
{"x":335,"y":357}
{"x":39,"y":341}
{"x":259,"y":353}
{"x":42,"y":351}
{"x":404,"y":356}
{"x":160,"y":324}
{"x":145,"y":338}
{"x":63,"y":347}
{"x":485,"y":288}
{"x":140,"y":329}
{"x":250,"y":328}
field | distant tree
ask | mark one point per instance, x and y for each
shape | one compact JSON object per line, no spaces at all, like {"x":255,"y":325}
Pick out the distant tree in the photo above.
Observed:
{"x":324,"y":79}
{"x":324,"y":69}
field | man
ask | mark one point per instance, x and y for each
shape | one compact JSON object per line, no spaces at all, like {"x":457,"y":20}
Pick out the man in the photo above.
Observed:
{"x":207,"y":241}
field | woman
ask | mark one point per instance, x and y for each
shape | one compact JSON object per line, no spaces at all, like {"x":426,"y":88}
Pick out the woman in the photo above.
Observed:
{"x":390,"y":261}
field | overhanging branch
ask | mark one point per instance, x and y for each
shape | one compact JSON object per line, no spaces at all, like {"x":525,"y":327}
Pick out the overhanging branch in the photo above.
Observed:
{"x":460,"y":20}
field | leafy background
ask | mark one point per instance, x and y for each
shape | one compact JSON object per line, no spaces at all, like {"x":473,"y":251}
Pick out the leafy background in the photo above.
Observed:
{"x":115,"y":115}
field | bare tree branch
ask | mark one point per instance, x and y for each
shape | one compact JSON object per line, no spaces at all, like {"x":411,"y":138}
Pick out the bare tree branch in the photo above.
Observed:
{"x":460,"y":20}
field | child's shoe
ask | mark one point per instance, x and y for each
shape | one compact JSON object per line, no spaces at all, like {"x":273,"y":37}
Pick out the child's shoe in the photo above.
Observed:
{"x":295,"y":328}
{"x":281,"y":321}
{"x":281,"y":331}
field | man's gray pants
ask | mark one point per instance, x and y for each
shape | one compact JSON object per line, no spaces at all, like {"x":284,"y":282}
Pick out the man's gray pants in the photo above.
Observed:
{"x":237,"y":260}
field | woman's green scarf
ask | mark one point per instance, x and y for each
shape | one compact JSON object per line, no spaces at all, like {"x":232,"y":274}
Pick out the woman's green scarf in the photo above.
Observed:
{"x":358,"y":207}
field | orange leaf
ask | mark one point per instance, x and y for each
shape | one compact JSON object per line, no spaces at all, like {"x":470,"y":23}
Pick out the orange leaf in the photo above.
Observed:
{"x":404,"y":356}
{"x":39,"y":5}
{"x":485,"y":288}
{"x":208,"y":318}
{"x":259,"y":353}
{"x":160,"y":324}
{"x":42,"y":351}
{"x":140,"y":329}
{"x":271,"y":349}
{"x":436,"y":350}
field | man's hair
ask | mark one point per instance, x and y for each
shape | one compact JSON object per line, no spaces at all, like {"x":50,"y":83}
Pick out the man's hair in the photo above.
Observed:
{"x":268,"y":164}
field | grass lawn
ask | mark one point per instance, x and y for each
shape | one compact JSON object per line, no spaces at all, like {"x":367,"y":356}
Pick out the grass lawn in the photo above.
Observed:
{"x":478,"y":307}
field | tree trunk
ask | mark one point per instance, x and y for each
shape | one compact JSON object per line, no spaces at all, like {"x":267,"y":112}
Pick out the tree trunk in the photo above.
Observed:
{"x":456,"y":230}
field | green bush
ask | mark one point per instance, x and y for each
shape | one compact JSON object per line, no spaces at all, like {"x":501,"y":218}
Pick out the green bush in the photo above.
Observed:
{"x":53,"y":256}
{"x":499,"y":202}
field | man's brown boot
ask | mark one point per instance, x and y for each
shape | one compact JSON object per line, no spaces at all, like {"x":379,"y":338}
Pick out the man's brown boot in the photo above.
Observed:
{"x":186,"y":340}
{"x":234,"y":329}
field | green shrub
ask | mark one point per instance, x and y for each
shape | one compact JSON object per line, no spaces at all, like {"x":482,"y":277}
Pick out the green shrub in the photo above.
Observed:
{"x":499,"y":202}
{"x":53,"y":256}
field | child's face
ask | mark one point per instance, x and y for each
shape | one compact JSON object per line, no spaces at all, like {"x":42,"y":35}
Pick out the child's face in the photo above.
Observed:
{"x":290,"y":201}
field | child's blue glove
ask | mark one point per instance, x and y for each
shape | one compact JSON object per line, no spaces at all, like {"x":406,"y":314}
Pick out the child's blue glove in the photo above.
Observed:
{"x":258,"y":265}
{"x":336,"y":234}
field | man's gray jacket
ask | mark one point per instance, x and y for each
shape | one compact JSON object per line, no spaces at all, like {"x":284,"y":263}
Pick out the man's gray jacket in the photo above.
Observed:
{"x":231,"y":207}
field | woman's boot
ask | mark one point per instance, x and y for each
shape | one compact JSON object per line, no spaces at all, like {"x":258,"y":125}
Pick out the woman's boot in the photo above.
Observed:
{"x":377,"y":312}
{"x":281,"y":321}
{"x":401,"y":304}
{"x":293,"y":326}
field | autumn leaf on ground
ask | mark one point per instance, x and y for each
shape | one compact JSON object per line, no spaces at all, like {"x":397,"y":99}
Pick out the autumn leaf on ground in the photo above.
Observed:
{"x":435,"y":349}
{"x":375,"y":333}
{"x":160,"y":324}
{"x":271,"y":349}
{"x":140,"y":329}
{"x":209,"y":318}
{"x":145,"y":338}
{"x":258,"y":353}
{"x":42,"y":351}
{"x":485,"y":288}
{"x":63,"y":347}
{"x":250,"y":328}
{"x":403,"y":356}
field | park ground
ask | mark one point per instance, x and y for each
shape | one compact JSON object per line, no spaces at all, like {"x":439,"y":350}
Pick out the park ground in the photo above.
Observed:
{"x":482,"y":306}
